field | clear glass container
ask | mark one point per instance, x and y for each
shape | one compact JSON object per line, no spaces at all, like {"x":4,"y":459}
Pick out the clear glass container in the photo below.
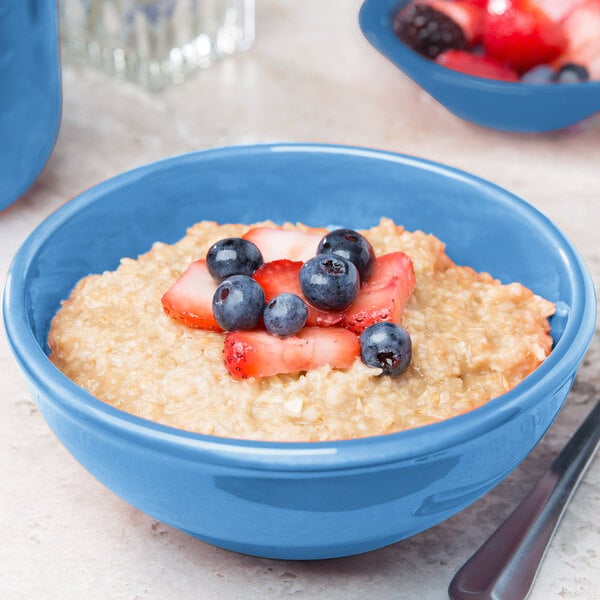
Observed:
{"x":155,"y":42}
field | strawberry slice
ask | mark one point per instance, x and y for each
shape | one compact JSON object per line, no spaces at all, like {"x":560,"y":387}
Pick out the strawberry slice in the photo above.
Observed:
{"x":280,"y":276}
{"x":476,"y":65}
{"x":260,"y":354}
{"x":469,"y":16}
{"x":521,"y":34}
{"x":582,"y":28}
{"x":276,"y":242}
{"x":189,"y":299}
{"x":478,"y":3}
{"x":385,"y":295}
{"x":557,"y":10}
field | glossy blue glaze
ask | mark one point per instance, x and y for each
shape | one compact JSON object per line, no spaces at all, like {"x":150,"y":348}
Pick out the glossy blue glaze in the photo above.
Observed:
{"x":298,"y":500}
{"x":519,"y":107}
{"x":30,"y":92}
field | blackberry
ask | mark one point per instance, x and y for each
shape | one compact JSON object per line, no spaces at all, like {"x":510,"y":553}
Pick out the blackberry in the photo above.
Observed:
{"x":428,"y":31}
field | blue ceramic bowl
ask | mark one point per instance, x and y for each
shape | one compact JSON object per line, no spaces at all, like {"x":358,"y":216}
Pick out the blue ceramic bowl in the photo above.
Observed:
{"x":507,"y":106}
{"x":298,"y":500}
{"x":30,"y":92}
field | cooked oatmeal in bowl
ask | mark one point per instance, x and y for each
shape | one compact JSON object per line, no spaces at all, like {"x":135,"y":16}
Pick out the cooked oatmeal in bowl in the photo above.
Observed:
{"x":473,"y":339}
{"x":110,"y":272}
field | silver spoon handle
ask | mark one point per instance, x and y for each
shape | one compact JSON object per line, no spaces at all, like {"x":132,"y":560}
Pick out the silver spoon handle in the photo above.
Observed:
{"x":505,"y":567}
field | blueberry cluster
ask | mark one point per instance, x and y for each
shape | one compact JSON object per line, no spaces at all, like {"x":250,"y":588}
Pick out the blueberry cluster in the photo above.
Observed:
{"x":238,"y":301}
{"x":330,"y":280}
{"x":567,"y":73}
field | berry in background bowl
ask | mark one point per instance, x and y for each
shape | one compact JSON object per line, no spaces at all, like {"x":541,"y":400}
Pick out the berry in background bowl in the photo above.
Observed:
{"x":487,"y":47}
{"x":296,"y":500}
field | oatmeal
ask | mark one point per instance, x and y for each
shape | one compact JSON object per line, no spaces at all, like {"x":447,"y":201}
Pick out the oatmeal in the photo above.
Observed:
{"x":472,"y":339}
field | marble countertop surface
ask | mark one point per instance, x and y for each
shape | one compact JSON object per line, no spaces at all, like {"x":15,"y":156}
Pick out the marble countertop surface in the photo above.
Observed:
{"x":311,"y":76}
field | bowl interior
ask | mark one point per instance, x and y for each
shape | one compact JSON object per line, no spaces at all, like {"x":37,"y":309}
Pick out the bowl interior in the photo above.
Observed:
{"x":482,"y":225}
{"x":518,"y":107}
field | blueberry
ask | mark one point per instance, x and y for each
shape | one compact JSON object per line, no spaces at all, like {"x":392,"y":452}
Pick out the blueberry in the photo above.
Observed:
{"x":353,"y":247}
{"x":329,"y":281}
{"x":539,"y":74}
{"x":387,"y":346}
{"x":233,"y":256}
{"x":285,"y":315}
{"x":571,"y":73}
{"x":238,"y":303}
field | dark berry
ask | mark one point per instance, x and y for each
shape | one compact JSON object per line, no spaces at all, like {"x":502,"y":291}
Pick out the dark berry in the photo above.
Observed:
{"x":387,"y":346}
{"x":571,"y":73}
{"x":428,"y":31}
{"x":238,"y":303}
{"x":233,"y":256}
{"x":285,"y":315}
{"x":353,"y":247}
{"x":539,"y":74}
{"x":329,"y":281}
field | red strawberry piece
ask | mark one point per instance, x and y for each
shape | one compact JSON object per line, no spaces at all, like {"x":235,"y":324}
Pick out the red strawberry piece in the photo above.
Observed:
{"x":260,"y":354}
{"x":521,"y":34}
{"x":189,"y":299}
{"x":280,"y":276}
{"x":557,"y":10}
{"x":478,"y":3}
{"x":469,"y":16}
{"x":385,"y":295}
{"x":582,"y":28}
{"x":476,"y":65}
{"x":294,"y":244}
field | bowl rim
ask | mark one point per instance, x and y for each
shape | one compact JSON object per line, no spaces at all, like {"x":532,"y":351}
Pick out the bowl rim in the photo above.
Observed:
{"x":373,"y":17}
{"x":359,"y":453}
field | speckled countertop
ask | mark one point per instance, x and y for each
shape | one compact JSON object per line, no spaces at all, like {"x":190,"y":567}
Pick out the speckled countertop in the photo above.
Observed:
{"x":311,"y":76}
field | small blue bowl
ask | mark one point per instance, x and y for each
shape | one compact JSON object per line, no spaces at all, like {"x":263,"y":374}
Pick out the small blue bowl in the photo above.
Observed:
{"x":30,"y":93}
{"x":298,"y":500}
{"x":518,"y":107}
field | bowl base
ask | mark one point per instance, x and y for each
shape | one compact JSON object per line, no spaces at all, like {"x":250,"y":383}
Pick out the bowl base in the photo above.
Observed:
{"x":298,"y":552}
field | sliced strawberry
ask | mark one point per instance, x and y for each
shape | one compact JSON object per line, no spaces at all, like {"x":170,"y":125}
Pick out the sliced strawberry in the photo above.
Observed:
{"x":385,"y":295}
{"x":582,"y":28}
{"x":557,"y":10}
{"x":189,"y":299}
{"x":521,"y":34}
{"x":276,"y":242}
{"x":260,"y":354}
{"x":280,"y":276}
{"x":478,"y":3}
{"x":476,"y":65}
{"x":467,"y":15}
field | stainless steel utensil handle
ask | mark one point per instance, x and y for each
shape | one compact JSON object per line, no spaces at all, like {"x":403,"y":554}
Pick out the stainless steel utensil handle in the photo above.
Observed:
{"x":505,"y":567}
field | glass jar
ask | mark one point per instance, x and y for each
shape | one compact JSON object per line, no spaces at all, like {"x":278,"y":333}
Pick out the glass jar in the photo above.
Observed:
{"x":155,"y":42}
